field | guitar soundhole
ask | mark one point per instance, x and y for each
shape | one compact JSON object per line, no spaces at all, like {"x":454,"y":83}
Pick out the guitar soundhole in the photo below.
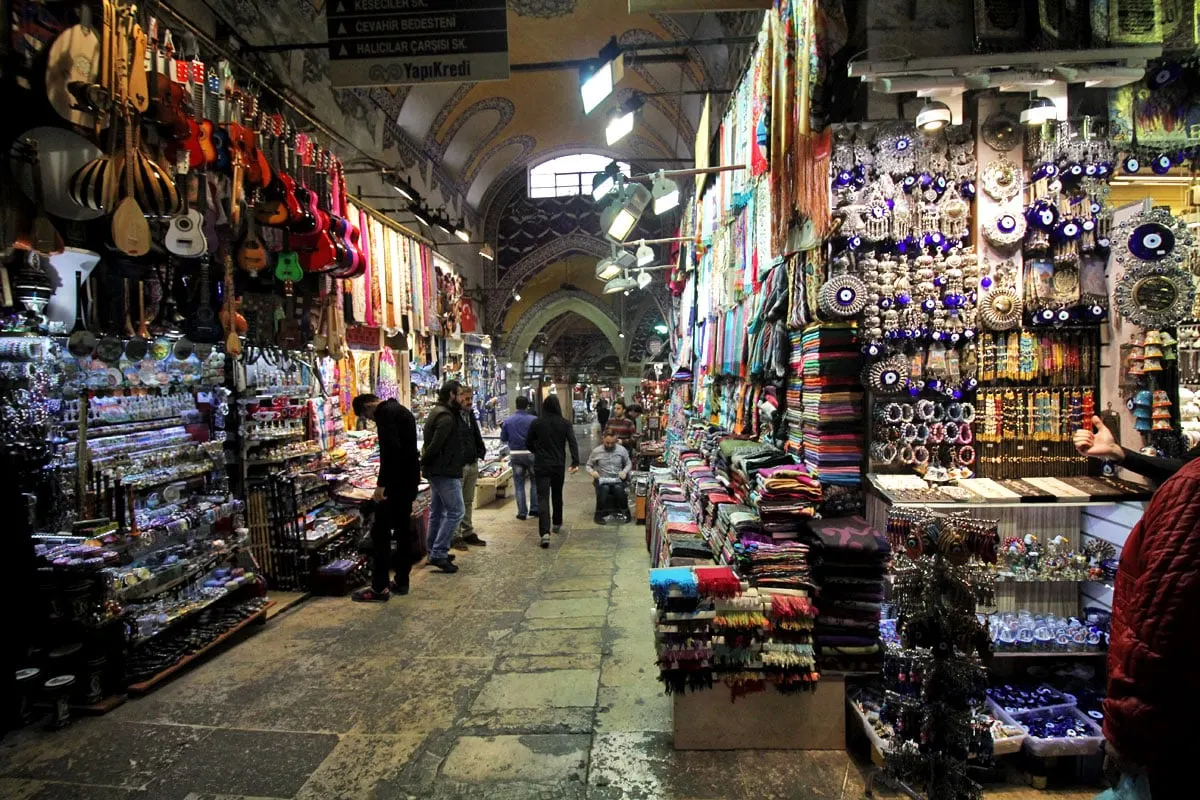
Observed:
{"x":183,"y":224}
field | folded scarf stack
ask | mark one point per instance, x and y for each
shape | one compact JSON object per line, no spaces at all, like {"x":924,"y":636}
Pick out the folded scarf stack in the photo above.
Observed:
{"x":793,"y":397}
{"x":849,"y":560}
{"x":832,"y":403}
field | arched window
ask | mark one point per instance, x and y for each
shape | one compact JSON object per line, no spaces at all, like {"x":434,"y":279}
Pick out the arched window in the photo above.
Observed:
{"x":568,"y":175}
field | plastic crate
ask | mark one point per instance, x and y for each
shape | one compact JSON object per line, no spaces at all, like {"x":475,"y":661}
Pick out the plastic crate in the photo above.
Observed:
{"x":1087,"y":745}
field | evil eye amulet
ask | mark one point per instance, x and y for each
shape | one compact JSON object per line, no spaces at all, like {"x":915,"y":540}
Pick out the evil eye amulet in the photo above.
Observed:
{"x":928,"y":305}
{"x":1064,"y":315}
{"x":1045,"y":216}
{"x":1131,"y":165}
{"x":854,"y":242}
{"x":967,"y":190}
{"x":1069,"y":230}
{"x":910,"y":181}
{"x":1103,"y":169}
{"x":1073,"y":172}
{"x":1151,"y":241}
{"x":1166,"y":74}
{"x":1047,"y":315}
{"x":844,"y":179}
{"x":1161,"y":164}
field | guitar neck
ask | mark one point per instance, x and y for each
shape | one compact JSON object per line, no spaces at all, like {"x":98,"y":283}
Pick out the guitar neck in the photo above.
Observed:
{"x":204,"y":277}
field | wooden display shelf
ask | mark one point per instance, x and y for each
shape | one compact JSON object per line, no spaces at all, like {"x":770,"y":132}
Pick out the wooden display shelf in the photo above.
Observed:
{"x":148,"y":685}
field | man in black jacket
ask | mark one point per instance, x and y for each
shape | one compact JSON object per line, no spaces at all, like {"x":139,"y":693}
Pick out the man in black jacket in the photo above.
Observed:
{"x":548,"y":434}
{"x":442,"y":461}
{"x":396,"y":489}
{"x":476,"y":451}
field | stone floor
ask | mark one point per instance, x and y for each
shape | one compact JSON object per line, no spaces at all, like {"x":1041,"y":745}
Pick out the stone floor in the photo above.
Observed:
{"x":529,"y":675}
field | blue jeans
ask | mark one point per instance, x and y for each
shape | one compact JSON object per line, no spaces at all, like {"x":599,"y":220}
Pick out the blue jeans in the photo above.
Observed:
{"x":522,"y":466}
{"x":445,"y":513}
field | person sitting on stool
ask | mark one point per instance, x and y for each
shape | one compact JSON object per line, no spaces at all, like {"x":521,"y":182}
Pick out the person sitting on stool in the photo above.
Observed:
{"x":609,"y":466}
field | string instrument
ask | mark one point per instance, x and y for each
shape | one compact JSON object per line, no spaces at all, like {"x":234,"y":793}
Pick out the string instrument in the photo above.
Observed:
{"x":288,"y":270}
{"x":138,"y":91}
{"x":171,"y":111}
{"x":278,"y":203}
{"x":204,"y":327}
{"x":355,"y":263}
{"x":73,"y":74}
{"x":258,"y":169}
{"x":130,"y":231}
{"x":251,"y":252}
{"x":42,"y":237}
{"x":222,"y":158}
{"x":317,"y":250}
{"x":306,"y":219}
{"x":232,"y":322}
{"x":185,"y":234}
{"x":190,"y":71}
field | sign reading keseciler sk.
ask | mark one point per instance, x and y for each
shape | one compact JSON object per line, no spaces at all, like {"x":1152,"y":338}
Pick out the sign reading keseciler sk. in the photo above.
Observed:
{"x":389,"y":42}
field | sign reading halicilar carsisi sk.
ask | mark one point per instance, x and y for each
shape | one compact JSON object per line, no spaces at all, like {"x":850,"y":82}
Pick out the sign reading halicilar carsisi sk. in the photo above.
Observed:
{"x":390,"y":42}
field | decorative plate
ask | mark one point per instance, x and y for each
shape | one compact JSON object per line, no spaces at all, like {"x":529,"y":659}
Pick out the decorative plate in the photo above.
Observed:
{"x":1155,"y":295}
{"x":1001,"y":131}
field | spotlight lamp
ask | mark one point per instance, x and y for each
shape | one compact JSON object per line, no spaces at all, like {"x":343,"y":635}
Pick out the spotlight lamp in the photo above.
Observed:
{"x":661,"y":328}
{"x":1040,"y":110}
{"x":934,"y":116}
{"x":666,"y":193}
{"x":620,"y":121}
{"x":619,"y":218}
{"x":486,"y":252}
{"x":460,"y":230}
{"x":644,"y":279}
{"x":402,"y":186}
{"x":422,"y":213}
{"x":597,"y":81}
{"x":621,"y":284}
{"x":517,"y":296}
{"x":604,"y":182}
{"x":607,"y":269}
{"x":645,"y":254}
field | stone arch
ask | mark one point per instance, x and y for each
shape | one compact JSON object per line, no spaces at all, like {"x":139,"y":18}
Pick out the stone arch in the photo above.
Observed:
{"x":552,"y":306}
{"x":533,"y":263}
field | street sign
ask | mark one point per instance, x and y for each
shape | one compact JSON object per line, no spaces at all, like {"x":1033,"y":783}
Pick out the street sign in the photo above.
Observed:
{"x":391,"y":42}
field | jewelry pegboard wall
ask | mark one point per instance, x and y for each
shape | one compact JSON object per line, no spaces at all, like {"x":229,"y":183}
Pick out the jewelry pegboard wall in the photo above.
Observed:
{"x":903,"y":259}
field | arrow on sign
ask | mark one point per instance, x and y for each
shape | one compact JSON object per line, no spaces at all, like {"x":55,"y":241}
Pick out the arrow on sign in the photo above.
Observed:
{"x":343,"y":51}
{"x":341,"y":29}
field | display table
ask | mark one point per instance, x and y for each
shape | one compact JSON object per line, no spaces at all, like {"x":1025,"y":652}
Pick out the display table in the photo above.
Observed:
{"x":487,"y":489}
{"x":770,"y":720}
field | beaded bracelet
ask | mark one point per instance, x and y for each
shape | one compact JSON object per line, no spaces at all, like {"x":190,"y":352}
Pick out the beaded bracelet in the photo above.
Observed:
{"x":967,"y":412}
{"x":937,"y":433}
{"x":951,"y":431}
{"x":966,"y":455}
{"x":920,"y":455}
{"x":908,"y":432}
{"x":954,"y":412}
{"x":892,"y":412}
{"x":907,"y":412}
{"x":939,"y":413}
{"x":922,"y":433}
{"x":887,"y":454}
{"x":965,"y":435}
{"x":907,"y":456}
{"x":925,"y":409}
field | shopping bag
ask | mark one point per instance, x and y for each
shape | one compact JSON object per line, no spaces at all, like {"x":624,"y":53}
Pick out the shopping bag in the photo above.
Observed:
{"x":1128,"y":788}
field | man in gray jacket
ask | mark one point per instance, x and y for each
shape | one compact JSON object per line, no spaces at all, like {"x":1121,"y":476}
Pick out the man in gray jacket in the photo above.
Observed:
{"x":609,"y":466}
{"x":442,"y":459}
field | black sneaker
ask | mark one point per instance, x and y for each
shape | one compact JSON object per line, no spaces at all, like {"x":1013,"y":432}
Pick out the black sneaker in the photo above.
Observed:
{"x":522,"y":517}
{"x":600,"y":519}
{"x":445,"y":565}
{"x":459,"y":544}
{"x":369,"y":595}
{"x":473,"y":538}
{"x":545,"y":542}
{"x":398,"y":588}
{"x":557,"y":529}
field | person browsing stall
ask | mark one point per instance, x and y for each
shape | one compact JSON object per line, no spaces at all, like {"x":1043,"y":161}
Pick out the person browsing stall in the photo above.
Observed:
{"x":476,"y":451}
{"x":548,"y":435}
{"x":442,"y":460}
{"x":513,"y":432}
{"x":620,"y":424}
{"x":609,"y":466}
{"x":395,"y":491}
{"x":1102,"y":444}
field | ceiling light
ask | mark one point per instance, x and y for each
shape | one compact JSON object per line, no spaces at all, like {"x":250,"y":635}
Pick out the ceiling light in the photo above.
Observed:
{"x":604,"y":182}
{"x":1039,"y":111}
{"x":666,"y":193}
{"x":661,"y":328}
{"x":620,"y":121}
{"x":421,"y":213}
{"x":460,"y":230}
{"x":606,"y":73}
{"x":622,"y":214}
{"x":621,"y":335}
{"x":645,"y":255}
{"x":487,"y":252}
{"x":607,"y":269}
{"x":508,"y":365}
{"x":618,"y":285}
{"x":644,"y":279}
{"x":402,"y":187}
{"x":934,"y":116}
{"x":443,"y":224}
{"x":517,"y":296}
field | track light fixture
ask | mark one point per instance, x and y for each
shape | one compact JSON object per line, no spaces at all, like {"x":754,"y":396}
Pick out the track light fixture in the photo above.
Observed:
{"x":461,"y":232}
{"x":1040,"y":110}
{"x":597,"y":81}
{"x":621,"y":284}
{"x":402,"y":186}
{"x":486,"y":252}
{"x":621,"y":215}
{"x":644,"y":279}
{"x":422,"y":213}
{"x":604,"y":182}
{"x":614,"y":264}
{"x":666,"y":193}
{"x":620,"y":121}
{"x":933,"y":116}
{"x":645,"y":254}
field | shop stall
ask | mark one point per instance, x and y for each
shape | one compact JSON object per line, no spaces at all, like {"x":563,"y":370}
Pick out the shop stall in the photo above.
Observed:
{"x":879,"y":359}
{"x":184,"y":328}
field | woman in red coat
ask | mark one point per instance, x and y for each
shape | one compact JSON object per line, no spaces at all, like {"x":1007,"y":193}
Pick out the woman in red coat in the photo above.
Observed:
{"x":1153,"y":703}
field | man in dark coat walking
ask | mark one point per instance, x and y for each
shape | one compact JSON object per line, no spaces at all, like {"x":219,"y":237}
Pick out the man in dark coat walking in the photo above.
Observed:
{"x":547,"y":437}
{"x":395,"y":491}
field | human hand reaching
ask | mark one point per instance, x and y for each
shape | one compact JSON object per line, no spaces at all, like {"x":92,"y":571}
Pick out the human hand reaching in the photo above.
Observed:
{"x":1099,"y":444}
{"x":573,"y":470}
{"x":379,"y":495}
